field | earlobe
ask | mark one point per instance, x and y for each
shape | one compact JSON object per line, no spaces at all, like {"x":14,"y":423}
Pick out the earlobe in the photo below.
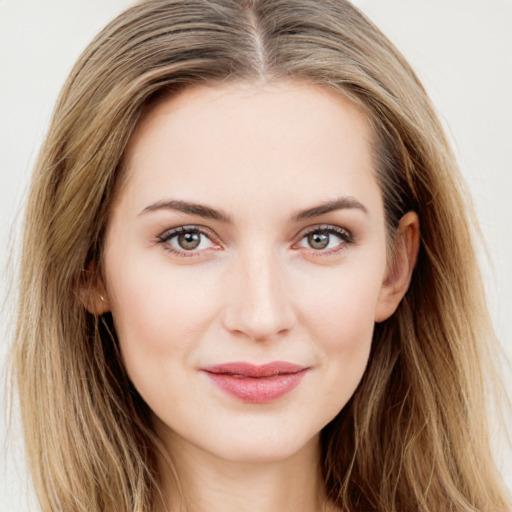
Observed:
{"x":93,"y":293}
{"x":400,"y":268}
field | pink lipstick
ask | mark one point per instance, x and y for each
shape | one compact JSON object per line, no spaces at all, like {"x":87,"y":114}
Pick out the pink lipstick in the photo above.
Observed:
{"x":256,"y":383}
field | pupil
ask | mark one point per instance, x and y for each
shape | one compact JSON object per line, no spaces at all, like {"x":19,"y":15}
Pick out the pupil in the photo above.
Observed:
{"x":189,"y":240}
{"x":318,"y":240}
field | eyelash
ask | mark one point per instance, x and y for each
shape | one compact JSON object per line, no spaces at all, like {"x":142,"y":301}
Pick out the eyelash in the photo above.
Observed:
{"x":166,"y":237}
{"x":344,"y":235}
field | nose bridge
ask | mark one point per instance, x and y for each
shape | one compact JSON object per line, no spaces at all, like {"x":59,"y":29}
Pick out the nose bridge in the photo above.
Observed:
{"x":259,"y":302}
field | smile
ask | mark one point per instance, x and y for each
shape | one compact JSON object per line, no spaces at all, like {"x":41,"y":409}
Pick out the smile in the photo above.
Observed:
{"x":256,"y":383}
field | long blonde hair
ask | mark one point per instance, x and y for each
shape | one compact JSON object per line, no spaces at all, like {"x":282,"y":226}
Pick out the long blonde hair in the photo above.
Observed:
{"x":414,"y":437}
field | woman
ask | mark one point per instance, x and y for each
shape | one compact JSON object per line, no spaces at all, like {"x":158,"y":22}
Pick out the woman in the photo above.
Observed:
{"x":247,"y":278}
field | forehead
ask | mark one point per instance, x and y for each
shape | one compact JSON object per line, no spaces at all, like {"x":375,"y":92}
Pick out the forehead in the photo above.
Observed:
{"x":267,"y":142}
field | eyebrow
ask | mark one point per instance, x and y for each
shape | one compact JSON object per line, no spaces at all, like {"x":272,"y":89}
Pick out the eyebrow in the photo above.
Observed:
{"x":341,"y":203}
{"x":200,"y":210}
{"x":208,"y":212}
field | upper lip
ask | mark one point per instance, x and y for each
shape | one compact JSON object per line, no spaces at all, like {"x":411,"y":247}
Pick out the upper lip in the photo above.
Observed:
{"x":252,"y":370}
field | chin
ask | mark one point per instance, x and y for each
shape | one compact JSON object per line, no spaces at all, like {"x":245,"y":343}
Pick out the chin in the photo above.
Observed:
{"x":267,"y":449}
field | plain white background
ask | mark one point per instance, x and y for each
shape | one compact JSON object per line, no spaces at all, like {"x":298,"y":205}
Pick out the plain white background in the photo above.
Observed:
{"x":461,"y":49}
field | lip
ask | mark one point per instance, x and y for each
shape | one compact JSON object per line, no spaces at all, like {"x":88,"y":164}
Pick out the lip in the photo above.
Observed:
{"x":256,"y":383}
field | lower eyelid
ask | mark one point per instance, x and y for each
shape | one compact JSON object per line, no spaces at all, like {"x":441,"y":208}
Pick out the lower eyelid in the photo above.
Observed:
{"x":182,"y":253}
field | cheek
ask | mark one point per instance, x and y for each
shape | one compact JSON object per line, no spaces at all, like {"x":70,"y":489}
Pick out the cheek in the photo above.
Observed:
{"x":341,"y":306}
{"x":340,"y":316}
{"x":159,"y":315}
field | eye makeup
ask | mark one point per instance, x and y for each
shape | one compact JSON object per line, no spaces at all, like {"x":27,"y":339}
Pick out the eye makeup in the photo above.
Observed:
{"x":193,"y":240}
{"x":186,"y":241}
{"x":319,"y":239}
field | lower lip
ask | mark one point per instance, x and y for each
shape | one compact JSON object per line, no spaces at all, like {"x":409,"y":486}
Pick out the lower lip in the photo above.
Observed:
{"x":258,"y":390}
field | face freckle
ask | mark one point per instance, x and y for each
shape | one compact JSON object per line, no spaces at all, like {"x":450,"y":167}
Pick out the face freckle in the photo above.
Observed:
{"x":247,"y":244}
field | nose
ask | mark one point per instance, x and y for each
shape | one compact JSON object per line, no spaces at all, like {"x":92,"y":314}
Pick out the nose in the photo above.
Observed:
{"x":259,"y":304}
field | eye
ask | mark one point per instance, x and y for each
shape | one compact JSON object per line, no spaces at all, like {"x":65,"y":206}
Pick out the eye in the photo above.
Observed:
{"x":326,"y":239}
{"x":187,"y":240}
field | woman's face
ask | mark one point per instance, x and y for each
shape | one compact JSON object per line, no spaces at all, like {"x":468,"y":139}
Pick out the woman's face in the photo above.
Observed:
{"x":245,"y":265}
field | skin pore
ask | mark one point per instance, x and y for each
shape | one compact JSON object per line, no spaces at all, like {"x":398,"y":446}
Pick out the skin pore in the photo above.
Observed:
{"x":250,"y":228}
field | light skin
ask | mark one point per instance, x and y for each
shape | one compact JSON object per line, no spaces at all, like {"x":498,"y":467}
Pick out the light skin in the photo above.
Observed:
{"x":284,"y":259}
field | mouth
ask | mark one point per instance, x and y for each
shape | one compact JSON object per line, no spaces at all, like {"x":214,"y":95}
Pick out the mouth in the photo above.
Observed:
{"x":256,"y":383}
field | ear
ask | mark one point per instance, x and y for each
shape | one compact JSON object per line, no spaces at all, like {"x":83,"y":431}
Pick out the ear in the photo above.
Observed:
{"x":93,"y":292}
{"x":399,"y":271}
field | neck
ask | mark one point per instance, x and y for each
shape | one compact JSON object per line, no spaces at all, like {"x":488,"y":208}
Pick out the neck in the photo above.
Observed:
{"x":209,"y":484}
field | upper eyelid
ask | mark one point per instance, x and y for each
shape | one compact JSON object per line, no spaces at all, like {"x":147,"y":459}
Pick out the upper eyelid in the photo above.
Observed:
{"x":169,"y":233}
{"x":324,"y":227}
{"x":210,"y":232}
